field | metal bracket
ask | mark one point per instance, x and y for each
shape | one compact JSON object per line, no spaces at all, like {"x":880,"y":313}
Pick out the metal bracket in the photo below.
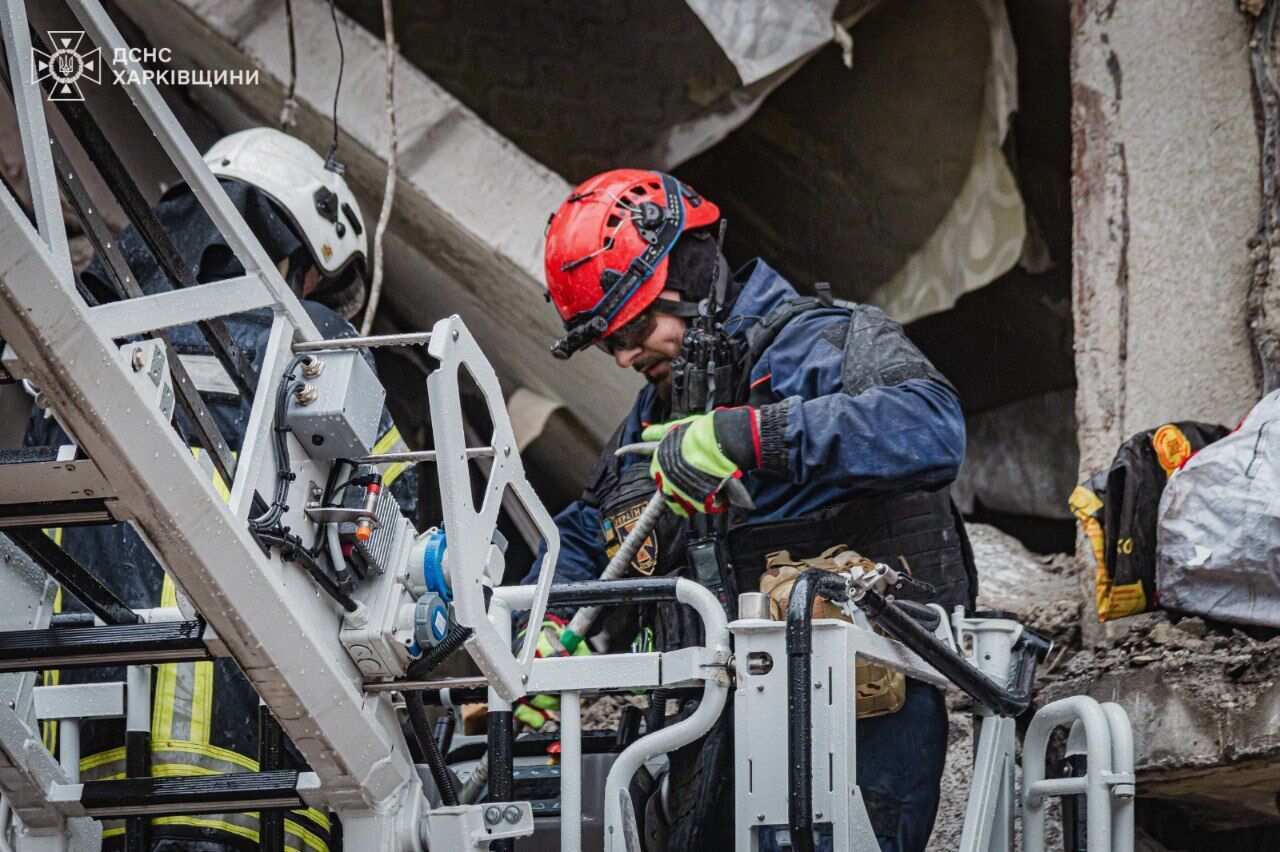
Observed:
{"x":470,"y":529}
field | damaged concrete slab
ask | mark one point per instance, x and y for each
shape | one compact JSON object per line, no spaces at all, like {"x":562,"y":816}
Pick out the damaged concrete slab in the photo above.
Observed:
{"x":1204,"y":704}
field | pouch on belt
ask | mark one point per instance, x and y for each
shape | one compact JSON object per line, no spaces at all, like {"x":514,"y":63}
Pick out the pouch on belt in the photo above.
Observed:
{"x":880,"y":690}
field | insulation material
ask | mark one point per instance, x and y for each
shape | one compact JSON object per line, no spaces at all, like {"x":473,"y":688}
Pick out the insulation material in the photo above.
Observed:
{"x":1218,"y":552}
{"x":982,"y":235}
{"x":762,"y":36}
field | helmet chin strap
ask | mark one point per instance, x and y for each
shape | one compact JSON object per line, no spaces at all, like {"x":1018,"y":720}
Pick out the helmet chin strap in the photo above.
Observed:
{"x":299,"y":264}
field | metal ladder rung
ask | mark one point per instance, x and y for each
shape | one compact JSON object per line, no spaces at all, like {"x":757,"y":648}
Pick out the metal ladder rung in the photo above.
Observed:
{"x":131,"y":317}
{"x":241,"y":791}
{"x":90,"y":647}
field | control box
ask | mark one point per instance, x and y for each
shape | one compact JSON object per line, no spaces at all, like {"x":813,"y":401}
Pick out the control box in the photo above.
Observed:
{"x":335,"y":412}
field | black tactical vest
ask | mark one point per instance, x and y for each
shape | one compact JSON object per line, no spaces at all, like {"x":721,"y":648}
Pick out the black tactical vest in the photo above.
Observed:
{"x":920,"y":532}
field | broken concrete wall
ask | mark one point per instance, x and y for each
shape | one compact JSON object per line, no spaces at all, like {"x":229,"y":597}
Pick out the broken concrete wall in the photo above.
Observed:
{"x":1166,"y":200}
{"x":1165,"y":196}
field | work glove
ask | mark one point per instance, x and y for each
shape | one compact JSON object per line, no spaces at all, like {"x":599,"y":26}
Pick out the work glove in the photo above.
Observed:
{"x":536,"y":710}
{"x":697,"y":454}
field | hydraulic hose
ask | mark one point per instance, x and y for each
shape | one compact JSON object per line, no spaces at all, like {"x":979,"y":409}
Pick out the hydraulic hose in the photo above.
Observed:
{"x":454,"y":639}
{"x":800,"y":699}
{"x":431,"y":749}
{"x":582,"y":620}
{"x":1004,"y":701}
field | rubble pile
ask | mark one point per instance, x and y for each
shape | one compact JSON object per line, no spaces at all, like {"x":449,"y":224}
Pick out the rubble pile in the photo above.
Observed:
{"x":1040,"y":590}
{"x":1155,"y":639}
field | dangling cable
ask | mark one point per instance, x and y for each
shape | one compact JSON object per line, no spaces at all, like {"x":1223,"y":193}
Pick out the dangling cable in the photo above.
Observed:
{"x":330,"y":162}
{"x":389,"y":190}
{"x":290,"y":106}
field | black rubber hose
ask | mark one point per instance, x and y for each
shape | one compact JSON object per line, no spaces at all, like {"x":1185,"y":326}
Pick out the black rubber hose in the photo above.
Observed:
{"x":421,"y":724}
{"x":1003,"y":701}
{"x":293,"y":550}
{"x":444,"y":729}
{"x":799,"y":704}
{"x":454,"y":638}
{"x":431,"y":749}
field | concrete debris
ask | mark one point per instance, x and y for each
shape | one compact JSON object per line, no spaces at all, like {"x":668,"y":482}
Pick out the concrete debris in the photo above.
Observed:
{"x":1202,"y":697}
{"x":602,"y":712}
{"x":1253,"y":7}
{"x":1040,"y":590}
{"x":1188,"y":643}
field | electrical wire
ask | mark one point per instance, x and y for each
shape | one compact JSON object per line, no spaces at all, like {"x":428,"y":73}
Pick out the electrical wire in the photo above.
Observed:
{"x":330,"y":161}
{"x":293,"y":550}
{"x":290,"y":105}
{"x":389,"y":189}
{"x":280,"y":449}
{"x":266,"y":527}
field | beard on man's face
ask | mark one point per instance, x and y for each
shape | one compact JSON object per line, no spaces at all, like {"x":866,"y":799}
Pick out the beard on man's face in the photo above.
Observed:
{"x":662,"y":387}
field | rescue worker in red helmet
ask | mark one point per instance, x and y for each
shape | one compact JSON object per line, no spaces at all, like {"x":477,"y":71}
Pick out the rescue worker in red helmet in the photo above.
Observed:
{"x":839,"y":428}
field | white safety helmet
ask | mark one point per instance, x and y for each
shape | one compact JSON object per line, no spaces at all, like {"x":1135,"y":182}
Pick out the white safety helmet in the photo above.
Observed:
{"x":320,"y":206}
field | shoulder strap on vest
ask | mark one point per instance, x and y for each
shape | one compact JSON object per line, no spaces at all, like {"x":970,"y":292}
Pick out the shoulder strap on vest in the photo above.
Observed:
{"x":761,"y":335}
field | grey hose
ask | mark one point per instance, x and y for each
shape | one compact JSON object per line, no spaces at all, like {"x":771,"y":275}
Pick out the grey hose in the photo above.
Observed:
{"x":583,"y":618}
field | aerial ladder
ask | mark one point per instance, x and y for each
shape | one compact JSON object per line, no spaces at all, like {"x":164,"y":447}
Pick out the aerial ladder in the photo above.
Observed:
{"x":337,"y":658}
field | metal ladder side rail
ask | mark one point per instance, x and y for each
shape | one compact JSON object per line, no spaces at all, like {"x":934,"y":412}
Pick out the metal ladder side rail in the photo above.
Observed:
{"x":182,"y":152}
{"x":207,"y":548}
{"x":133,"y":452}
{"x":34,"y":132}
{"x":28,"y":772}
{"x":47,"y":155}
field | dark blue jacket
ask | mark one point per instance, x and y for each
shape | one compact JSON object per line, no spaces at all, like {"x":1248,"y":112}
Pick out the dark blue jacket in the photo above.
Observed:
{"x":885,"y":439}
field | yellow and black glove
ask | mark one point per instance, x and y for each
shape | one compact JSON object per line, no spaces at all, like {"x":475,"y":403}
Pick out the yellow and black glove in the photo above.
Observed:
{"x":696,"y":455}
{"x":536,"y":710}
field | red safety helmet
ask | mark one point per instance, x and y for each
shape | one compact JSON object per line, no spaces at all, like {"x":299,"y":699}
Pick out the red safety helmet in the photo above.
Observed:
{"x":607,"y":249}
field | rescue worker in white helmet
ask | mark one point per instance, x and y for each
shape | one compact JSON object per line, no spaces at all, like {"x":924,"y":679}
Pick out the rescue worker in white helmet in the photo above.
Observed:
{"x":205,"y":716}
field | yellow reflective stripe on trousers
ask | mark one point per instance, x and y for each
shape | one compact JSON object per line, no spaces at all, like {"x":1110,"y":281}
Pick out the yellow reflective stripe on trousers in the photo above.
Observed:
{"x":391,"y":443}
{"x":51,"y":677}
{"x":175,"y":759}
{"x":166,"y":677}
{"x":295,"y":836}
{"x":181,"y":722}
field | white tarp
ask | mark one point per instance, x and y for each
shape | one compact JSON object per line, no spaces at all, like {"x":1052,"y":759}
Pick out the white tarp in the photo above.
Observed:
{"x":762,"y":36}
{"x":1218,"y":533}
{"x":982,"y":236}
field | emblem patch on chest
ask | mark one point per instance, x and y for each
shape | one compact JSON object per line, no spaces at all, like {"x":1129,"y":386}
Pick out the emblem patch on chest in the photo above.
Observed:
{"x":616,"y":528}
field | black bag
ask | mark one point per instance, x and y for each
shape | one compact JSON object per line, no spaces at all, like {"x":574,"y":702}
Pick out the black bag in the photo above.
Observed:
{"x":1117,"y":510}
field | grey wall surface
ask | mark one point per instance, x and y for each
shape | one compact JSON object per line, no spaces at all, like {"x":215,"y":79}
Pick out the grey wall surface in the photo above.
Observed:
{"x":1166,"y":199}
